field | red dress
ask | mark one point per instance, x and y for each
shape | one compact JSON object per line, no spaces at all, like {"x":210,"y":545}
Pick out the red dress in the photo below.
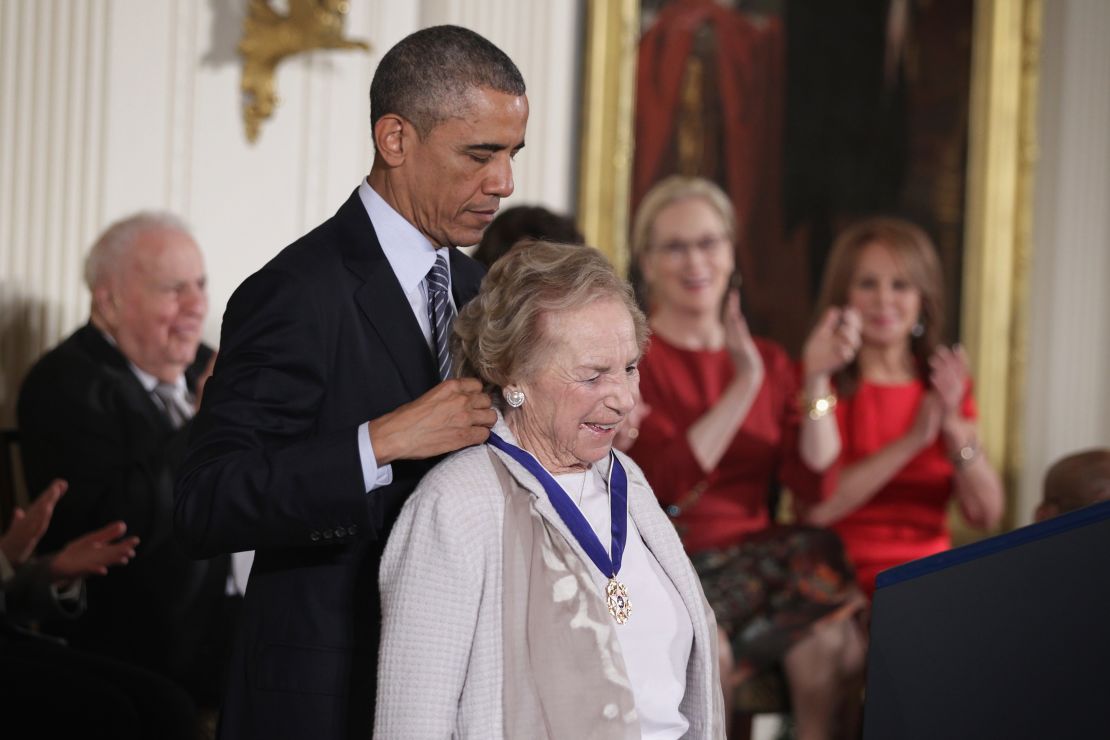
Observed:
{"x":907,"y":519}
{"x":721,"y":508}
{"x":767,"y":586}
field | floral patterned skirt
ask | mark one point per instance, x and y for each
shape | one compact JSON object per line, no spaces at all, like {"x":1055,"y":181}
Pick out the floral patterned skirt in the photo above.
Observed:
{"x":769,"y":591}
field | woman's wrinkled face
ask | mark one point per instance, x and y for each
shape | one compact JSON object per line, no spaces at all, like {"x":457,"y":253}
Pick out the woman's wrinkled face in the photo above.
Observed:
{"x":581,"y":389}
{"x":689,"y":261}
{"x":887,"y":301}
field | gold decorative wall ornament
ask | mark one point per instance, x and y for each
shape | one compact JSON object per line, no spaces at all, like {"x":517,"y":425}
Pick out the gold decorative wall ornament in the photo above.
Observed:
{"x":270,"y":37}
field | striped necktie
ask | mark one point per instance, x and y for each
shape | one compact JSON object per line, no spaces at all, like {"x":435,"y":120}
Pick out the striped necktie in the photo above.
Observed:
{"x":177,"y":411}
{"x":440,"y":312}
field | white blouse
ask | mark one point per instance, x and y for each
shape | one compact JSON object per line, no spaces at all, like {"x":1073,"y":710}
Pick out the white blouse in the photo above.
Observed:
{"x":657,"y":638}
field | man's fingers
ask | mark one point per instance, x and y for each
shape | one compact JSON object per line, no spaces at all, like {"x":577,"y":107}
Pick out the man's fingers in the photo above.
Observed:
{"x":480,"y":401}
{"x":476,"y":435}
{"x":464,"y":385}
{"x":105,"y":534}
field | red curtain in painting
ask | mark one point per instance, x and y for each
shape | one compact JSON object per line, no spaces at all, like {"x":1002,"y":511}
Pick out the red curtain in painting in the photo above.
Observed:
{"x":750,"y":70}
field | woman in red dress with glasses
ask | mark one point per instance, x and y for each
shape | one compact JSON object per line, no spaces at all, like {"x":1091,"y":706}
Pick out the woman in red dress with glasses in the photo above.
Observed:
{"x":727,"y":417}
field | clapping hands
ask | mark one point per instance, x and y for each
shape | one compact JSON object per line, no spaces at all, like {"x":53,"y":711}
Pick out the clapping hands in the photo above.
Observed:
{"x":28,"y":526}
{"x":948,"y":376}
{"x":88,"y":555}
{"x":948,"y":380}
{"x":93,"y":553}
{"x":833,"y":343}
{"x":738,"y":340}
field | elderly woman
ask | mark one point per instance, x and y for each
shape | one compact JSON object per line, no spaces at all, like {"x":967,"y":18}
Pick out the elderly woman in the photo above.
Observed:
{"x":532,"y":587}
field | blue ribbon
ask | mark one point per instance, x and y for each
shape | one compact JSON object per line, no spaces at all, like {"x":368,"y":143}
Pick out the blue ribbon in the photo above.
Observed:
{"x":572,"y":516}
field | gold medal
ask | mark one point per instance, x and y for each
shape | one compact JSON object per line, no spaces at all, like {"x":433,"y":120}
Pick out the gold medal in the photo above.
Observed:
{"x":616,"y":598}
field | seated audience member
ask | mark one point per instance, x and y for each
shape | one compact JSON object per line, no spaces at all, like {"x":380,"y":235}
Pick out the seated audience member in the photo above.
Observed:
{"x":536,"y":576}
{"x":524,"y":222}
{"x":1075,"y":481}
{"x":51,"y":690}
{"x":905,"y":410}
{"x":722,"y":427}
{"x":109,"y":410}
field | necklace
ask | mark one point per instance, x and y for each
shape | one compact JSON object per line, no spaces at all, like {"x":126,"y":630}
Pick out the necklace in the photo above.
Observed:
{"x":616,"y":594}
{"x":582,"y":487}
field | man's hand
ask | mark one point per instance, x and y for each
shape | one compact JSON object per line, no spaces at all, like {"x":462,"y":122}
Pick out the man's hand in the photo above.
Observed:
{"x":29,"y":526}
{"x":92,"y":554}
{"x":454,"y":414}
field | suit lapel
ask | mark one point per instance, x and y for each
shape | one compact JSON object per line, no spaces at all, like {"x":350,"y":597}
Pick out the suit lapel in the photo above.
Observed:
{"x":381,"y":299}
{"x":92,"y":341}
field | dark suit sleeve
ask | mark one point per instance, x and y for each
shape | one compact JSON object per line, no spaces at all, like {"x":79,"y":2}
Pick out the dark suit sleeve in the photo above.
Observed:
{"x":29,"y":595}
{"x":259,"y":473}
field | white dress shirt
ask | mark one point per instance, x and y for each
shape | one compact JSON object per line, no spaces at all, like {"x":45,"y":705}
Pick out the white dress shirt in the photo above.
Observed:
{"x":410,"y":255}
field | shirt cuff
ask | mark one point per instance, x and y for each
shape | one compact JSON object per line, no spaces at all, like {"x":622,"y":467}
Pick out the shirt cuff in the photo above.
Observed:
{"x":70,"y":594}
{"x":372,"y":476}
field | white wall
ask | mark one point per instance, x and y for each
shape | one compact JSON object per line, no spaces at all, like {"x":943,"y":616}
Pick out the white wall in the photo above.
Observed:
{"x":1068,"y":393}
{"x":110,"y":106}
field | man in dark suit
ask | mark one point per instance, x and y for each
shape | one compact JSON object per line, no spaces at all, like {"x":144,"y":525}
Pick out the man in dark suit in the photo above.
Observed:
{"x":328,"y":402}
{"x":108,"y":410}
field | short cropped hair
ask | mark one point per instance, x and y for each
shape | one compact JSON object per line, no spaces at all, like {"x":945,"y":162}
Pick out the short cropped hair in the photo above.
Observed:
{"x":533,"y":223}
{"x":116,"y":241}
{"x":426,"y":77}
{"x":1078,"y":480}
{"x":498,"y":336}
{"x":671,"y":190}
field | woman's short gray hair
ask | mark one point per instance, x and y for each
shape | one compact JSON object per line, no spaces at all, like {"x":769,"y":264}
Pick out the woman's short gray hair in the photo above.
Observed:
{"x":498,"y":335}
{"x":104,"y":258}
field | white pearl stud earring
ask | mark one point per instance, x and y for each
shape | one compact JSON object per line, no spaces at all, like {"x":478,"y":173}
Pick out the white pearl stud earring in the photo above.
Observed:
{"x":514,"y":398}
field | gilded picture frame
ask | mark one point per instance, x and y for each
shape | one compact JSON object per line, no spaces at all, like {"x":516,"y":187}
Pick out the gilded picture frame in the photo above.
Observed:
{"x":997,"y":231}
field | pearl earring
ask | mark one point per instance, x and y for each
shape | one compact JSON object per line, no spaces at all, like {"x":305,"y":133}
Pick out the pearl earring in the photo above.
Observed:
{"x":514,"y":398}
{"x":918,"y":329}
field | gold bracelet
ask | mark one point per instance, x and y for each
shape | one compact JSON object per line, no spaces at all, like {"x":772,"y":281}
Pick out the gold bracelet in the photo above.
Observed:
{"x":818,"y":407}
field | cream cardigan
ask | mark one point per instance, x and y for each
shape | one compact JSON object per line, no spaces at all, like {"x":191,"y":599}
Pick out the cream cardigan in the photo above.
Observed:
{"x":440,"y":668}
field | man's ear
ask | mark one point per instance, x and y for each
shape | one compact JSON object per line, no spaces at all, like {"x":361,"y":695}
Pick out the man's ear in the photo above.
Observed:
{"x":392,"y":134}
{"x":107,"y":305}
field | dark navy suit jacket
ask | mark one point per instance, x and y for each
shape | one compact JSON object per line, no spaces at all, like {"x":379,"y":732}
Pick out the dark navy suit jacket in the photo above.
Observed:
{"x":85,"y":417}
{"x":317,"y":342}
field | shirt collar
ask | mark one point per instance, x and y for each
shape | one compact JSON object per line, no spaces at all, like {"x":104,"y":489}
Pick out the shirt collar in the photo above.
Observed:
{"x":147,"y":380}
{"x":410,"y":253}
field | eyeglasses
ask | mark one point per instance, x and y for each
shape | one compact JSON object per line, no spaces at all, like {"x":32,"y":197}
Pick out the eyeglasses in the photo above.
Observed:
{"x":678,"y":249}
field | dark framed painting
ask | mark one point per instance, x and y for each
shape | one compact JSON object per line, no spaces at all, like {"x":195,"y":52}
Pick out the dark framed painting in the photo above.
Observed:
{"x":810,"y":114}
